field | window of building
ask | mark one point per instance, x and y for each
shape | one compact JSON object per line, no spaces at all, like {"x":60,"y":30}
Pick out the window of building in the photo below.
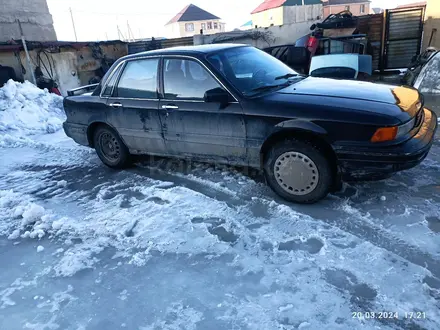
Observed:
{"x":139,"y":80}
{"x":209,"y":25}
{"x":362,"y":9}
{"x":189,"y":27}
{"x":347,"y":8}
{"x":203,"y":26}
{"x":215,"y":25}
{"x":187,"y":80}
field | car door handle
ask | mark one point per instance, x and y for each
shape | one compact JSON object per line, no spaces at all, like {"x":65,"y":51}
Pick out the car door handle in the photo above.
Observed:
{"x":170,"y":107}
{"x":116,"y":105}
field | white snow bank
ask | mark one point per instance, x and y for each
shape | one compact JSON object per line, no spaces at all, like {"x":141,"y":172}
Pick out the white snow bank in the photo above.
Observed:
{"x":27,"y":110}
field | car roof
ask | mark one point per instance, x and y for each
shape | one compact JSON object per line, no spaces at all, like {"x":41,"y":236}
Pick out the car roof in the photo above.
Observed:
{"x":186,"y":50}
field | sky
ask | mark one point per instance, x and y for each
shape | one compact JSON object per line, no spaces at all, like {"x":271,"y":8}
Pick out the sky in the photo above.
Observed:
{"x":100,"y":19}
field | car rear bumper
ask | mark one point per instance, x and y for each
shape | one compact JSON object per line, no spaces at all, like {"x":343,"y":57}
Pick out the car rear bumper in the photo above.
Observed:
{"x":77,"y":132}
{"x":379,"y":162}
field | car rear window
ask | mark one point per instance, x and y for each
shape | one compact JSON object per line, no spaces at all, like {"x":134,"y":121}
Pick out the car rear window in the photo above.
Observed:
{"x":334,"y":72}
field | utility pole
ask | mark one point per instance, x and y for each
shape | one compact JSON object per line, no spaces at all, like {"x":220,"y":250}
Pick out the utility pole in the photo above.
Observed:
{"x":305,"y":12}
{"x":120,"y":35}
{"x":28,"y":58}
{"x":73,"y":23}
{"x":130,"y":33}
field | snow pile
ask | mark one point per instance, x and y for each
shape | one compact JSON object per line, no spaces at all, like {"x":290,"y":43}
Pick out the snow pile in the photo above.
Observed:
{"x":27,"y":110}
{"x":23,"y":218}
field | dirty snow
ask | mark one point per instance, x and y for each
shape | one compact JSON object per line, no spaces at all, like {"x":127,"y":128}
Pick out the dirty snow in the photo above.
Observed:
{"x":168,"y":245}
{"x":26,"y":110}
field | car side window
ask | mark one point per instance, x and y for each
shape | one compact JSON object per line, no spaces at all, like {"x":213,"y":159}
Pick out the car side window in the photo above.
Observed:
{"x":186,"y":80}
{"x":139,"y":79}
{"x":111,"y":83}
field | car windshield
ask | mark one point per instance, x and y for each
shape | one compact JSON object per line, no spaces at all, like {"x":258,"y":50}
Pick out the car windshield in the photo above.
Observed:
{"x":252,"y":71}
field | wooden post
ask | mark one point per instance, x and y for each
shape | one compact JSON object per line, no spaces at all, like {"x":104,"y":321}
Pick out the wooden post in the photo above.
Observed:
{"x":383,"y":47}
{"x":28,"y":58}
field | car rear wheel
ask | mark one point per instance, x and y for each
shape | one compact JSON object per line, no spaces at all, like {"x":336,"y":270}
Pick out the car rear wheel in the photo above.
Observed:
{"x":110,"y":148}
{"x":298,"y":171}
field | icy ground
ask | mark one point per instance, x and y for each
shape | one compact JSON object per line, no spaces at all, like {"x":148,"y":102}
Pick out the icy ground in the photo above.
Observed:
{"x":170,"y":245}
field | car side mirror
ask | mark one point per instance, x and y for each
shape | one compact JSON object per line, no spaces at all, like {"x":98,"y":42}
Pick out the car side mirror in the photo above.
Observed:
{"x":217,"y":95}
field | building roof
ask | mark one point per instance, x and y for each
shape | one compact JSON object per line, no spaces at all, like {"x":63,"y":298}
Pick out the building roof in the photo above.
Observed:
{"x":377,"y":10}
{"x":270,"y":4}
{"x":342,"y":2}
{"x":16,"y":45}
{"x":192,"y":13}
{"x":249,"y":23}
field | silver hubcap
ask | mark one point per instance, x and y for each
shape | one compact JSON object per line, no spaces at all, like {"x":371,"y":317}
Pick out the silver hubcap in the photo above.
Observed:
{"x":296,"y":173}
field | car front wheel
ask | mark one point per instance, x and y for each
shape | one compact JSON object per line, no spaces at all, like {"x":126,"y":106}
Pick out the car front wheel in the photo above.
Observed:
{"x":298,"y":171}
{"x":110,"y":148}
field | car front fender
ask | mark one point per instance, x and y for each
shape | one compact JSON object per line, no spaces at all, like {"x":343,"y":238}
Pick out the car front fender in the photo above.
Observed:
{"x":301,"y":125}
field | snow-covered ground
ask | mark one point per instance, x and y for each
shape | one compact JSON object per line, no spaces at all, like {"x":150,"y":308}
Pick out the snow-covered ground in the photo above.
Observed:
{"x":171,"y":245}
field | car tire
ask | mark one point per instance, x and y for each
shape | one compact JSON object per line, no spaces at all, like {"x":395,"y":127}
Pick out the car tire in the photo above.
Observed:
{"x":314,"y":178}
{"x":110,"y":148}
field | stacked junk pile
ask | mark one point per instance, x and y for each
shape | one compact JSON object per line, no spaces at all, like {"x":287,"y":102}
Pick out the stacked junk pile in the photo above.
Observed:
{"x":348,"y":47}
{"x":335,"y":48}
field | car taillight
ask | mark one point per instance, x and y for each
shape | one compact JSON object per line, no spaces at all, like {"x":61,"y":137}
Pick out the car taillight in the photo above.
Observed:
{"x":312,"y":42}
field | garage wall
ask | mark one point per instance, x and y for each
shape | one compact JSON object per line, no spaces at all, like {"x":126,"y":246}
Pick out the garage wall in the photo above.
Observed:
{"x":8,"y":59}
{"x":64,"y":69}
{"x":73,"y":65}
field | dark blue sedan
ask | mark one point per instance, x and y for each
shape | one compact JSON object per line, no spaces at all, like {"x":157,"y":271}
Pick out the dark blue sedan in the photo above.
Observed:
{"x":237,"y":105}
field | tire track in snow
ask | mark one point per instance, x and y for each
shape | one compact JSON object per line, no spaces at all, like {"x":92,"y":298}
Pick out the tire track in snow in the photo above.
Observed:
{"x":354,"y":225}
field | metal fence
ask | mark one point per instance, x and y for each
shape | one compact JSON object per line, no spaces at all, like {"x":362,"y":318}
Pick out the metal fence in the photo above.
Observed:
{"x":403,"y":40}
{"x":146,"y":45}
